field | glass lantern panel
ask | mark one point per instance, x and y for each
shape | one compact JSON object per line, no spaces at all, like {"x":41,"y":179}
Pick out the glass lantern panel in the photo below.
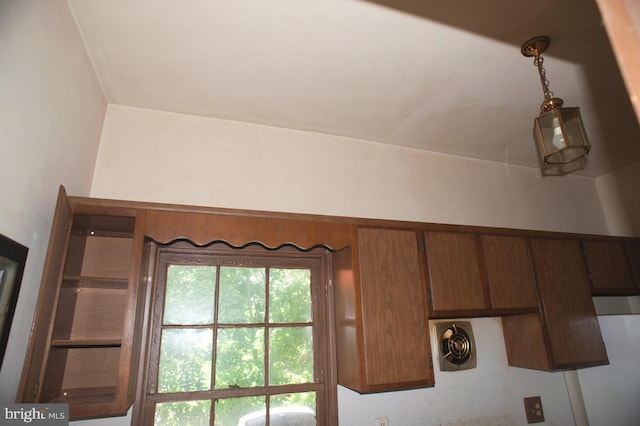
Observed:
{"x":550,"y":133}
{"x":560,"y":136}
{"x":574,"y":128}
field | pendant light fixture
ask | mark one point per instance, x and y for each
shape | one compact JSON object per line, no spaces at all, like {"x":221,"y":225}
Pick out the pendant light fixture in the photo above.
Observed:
{"x":561,"y":140}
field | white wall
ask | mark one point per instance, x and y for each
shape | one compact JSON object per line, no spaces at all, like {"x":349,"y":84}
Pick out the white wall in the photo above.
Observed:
{"x":612,"y":392}
{"x":621,"y":199}
{"x":617,"y":386}
{"x":51,"y":114}
{"x":489,"y":395}
{"x":163,"y":157}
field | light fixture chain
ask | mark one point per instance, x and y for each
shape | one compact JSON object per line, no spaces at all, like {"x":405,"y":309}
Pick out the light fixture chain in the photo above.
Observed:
{"x":538,"y":61}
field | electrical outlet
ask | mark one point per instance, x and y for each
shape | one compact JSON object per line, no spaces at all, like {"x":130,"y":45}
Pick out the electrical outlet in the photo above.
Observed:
{"x":533,"y":408}
{"x":382,"y":421}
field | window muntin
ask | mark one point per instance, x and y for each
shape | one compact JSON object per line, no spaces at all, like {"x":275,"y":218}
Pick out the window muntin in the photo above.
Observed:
{"x":237,"y":337}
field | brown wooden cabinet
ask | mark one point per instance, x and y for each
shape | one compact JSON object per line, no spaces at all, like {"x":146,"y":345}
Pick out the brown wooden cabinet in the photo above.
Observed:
{"x":610,"y":265}
{"x":474,"y":274}
{"x":455,"y":279}
{"x":509,"y":272}
{"x":564,"y":333}
{"x":85,"y":341}
{"x":382,"y":336}
{"x":83,"y":349}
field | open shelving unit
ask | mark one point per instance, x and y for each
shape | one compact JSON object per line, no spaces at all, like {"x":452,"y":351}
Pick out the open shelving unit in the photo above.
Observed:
{"x":84,"y":353}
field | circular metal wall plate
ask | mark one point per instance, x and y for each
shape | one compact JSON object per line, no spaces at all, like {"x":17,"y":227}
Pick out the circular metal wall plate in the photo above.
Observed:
{"x":536,"y":45}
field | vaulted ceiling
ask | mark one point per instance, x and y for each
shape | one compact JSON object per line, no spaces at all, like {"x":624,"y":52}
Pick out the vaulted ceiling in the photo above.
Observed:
{"x":444,"y":76}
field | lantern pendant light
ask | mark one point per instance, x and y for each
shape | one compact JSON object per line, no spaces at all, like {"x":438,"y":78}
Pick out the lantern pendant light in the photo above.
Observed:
{"x":561,"y":140}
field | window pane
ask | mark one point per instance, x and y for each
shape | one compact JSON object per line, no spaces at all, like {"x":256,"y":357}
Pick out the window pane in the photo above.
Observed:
{"x":248,"y":411}
{"x":290,"y":355}
{"x":293,"y":409}
{"x":242,"y":295}
{"x":240,"y":357}
{"x":190,"y":294}
{"x":185,"y":360}
{"x":192,"y":413}
{"x":289,"y":295}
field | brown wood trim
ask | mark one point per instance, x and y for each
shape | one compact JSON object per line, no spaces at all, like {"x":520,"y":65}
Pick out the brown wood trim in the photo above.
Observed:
{"x":100,"y":204}
{"x":578,"y":365}
{"x":345,"y":318}
{"x":387,"y":387}
{"x":132,"y":330}
{"x":615,"y":292}
{"x":331,"y":375}
{"x":88,"y":205}
{"x":238,"y":231}
{"x":479,"y":313}
{"x":147,"y":282}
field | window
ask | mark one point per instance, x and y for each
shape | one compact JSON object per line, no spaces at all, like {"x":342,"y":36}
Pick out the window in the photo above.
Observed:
{"x":237,"y":334}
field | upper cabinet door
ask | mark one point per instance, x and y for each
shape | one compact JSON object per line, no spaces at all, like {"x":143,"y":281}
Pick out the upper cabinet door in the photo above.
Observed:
{"x":36,"y":354}
{"x":609,"y":266}
{"x":396,"y":338}
{"x":573,"y":331}
{"x":382,"y":339}
{"x":509,"y":272}
{"x":454,"y":272}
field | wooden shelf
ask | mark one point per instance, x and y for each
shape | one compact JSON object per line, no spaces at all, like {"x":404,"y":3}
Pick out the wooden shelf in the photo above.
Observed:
{"x":86,"y":395}
{"x":86,"y":343}
{"x":79,"y":281}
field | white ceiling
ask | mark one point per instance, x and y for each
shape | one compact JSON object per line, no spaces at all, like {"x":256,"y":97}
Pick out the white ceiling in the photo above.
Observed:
{"x":444,"y":76}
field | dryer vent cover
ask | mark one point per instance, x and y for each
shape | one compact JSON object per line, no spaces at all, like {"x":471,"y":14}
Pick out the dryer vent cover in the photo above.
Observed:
{"x":457,"y":348}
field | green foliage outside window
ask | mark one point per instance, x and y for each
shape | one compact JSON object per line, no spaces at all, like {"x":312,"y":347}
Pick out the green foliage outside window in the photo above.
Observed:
{"x":184,"y":413}
{"x":185,"y":360}
{"x":188,"y":353}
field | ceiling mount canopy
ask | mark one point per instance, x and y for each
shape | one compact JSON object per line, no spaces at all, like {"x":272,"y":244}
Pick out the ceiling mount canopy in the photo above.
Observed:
{"x":559,"y":133}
